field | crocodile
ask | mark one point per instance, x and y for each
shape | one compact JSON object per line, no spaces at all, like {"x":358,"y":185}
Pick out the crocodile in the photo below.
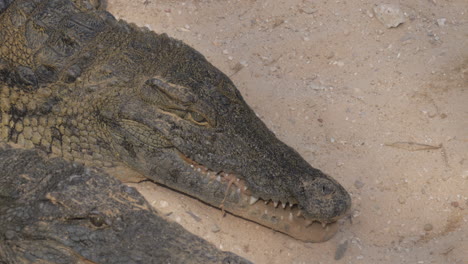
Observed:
{"x":79,"y":84}
{"x":53,"y":211}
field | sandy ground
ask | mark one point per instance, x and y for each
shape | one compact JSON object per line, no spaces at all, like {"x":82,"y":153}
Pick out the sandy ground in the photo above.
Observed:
{"x":384,"y":111}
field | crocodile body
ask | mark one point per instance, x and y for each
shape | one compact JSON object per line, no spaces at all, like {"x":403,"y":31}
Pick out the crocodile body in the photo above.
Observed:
{"x":52,"y":211}
{"x":78,"y":84}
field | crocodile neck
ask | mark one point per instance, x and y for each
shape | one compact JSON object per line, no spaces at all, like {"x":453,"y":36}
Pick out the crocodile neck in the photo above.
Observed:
{"x":54,"y":82}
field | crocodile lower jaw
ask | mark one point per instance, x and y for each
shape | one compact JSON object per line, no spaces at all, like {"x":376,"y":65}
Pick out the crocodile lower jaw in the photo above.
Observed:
{"x":285,"y":217}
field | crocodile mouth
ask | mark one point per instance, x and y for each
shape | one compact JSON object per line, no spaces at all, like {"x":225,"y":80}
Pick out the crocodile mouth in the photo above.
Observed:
{"x":234,"y":196}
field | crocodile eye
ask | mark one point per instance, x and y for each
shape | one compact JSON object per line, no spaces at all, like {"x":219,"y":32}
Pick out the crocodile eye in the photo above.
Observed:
{"x":197,"y":118}
{"x":97,"y":220}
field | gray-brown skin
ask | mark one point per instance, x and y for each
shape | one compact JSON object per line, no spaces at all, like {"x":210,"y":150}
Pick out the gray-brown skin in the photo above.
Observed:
{"x":81,"y":85}
{"x":53,"y":211}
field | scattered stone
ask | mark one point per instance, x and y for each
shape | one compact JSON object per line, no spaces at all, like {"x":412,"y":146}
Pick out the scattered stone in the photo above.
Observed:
{"x":406,"y":38}
{"x":215,"y":228}
{"x":278,"y":22}
{"x":183,"y":29}
{"x":389,"y":15}
{"x":237,"y":68}
{"x":163,"y":204}
{"x":330,"y":55}
{"x":244,"y":63}
{"x":428,"y":227}
{"x":194,"y":216}
{"x":246,"y":248}
{"x":358,"y":184}
{"x":455,"y":204}
{"x":341,"y":249}
{"x":307,"y":10}
{"x":401,"y":200}
{"x":338,"y":63}
{"x":356,"y":213}
{"x":441,"y":22}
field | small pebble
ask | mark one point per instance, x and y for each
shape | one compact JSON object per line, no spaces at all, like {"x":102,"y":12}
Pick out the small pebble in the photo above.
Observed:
{"x":194,"y":216}
{"x":358,"y":184}
{"x":401,"y":200}
{"x":308,"y":10}
{"x":389,"y":15}
{"x":356,"y":213}
{"x":339,"y":63}
{"x":163,"y":204}
{"x":455,"y":204}
{"x":441,"y":22}
{"x":330,"y":55}
{"x":341,"y":249}
{"x":215,"y":228}
{"x":428,"y":227}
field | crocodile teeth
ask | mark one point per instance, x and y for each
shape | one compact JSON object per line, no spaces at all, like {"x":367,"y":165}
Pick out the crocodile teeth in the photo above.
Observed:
{"x":266,"y":202}
{"x":253,"y":200}
{"x":299,"y":213}
{"x":275,"y":204}
{"x":290,"y":205}
{"x":284,"y":205}
{"x":308,"y":223}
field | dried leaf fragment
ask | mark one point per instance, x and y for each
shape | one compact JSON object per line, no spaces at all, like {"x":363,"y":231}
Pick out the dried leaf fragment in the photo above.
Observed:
{"x":412,"y":146}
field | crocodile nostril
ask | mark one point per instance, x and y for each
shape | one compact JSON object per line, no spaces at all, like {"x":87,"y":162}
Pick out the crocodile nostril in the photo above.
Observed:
{"x":327,"y":189}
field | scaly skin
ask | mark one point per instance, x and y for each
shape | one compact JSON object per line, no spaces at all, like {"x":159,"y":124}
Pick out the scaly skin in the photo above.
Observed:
{"x":79,"y":84}
{"x":52,"y":211}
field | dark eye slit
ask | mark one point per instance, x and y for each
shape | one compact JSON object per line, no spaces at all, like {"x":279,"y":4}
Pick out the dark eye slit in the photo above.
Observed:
{"x":192,"y":116}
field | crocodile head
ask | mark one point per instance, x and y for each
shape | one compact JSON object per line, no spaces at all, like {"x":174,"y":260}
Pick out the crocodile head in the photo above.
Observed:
{"x":186,"y":126}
